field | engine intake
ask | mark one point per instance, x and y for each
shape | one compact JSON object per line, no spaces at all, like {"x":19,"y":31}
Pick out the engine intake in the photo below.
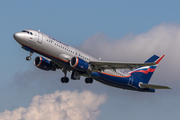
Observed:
{"x":79,"y":64}
{"x":44,"y":64}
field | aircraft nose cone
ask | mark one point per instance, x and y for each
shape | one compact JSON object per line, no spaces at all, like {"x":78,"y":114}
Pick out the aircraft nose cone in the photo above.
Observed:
{"x":14,"y":35}
{"x":17,"y":36}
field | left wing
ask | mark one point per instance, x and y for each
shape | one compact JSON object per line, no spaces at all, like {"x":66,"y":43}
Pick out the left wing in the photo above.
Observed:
{"x":118,"y":65}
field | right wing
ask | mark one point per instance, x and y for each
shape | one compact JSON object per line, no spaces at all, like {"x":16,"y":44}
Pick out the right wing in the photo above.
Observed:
{"x":117,"y":65}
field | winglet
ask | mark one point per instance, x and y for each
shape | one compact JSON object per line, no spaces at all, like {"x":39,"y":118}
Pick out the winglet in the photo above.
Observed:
{"x":158,"y":60}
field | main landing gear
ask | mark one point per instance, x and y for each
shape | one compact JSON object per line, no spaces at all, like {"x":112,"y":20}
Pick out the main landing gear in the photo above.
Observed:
{"x":89,"y":80}
{"x":64,"y":79}
{"x":28,"y":58}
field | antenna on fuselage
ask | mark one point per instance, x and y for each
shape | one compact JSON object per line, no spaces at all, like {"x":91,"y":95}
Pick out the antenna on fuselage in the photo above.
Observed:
{"x":39,"y":30}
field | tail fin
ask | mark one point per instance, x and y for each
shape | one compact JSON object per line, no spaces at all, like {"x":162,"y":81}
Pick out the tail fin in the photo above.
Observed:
{"x":145,"y":73}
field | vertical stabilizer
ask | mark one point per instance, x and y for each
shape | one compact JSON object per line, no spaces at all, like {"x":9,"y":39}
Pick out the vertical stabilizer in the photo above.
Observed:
{"x":145,"y":73}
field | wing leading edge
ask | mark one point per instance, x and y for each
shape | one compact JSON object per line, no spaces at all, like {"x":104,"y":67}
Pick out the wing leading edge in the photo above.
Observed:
{"x":119,"y":65}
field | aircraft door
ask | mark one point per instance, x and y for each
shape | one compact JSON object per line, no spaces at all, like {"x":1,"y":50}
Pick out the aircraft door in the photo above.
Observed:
{"x":130,"y":80}
{"x":40,"y":37}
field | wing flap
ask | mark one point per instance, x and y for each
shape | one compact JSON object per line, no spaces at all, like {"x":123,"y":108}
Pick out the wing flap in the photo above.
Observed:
{"x":154,"y":86}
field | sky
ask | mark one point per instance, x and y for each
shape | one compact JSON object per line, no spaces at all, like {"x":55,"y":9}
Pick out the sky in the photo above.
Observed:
{"x":124,"y":31}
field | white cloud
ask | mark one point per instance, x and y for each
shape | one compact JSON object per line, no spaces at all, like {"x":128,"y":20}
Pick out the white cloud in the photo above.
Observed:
{"x":161,"y":39}
{"x":65,"y":105}
{"x":158,"y":40}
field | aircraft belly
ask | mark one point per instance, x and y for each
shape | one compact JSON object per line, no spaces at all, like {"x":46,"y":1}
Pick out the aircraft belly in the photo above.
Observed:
{"x":113,"y":81}
{"x":116,"y":80}
{"x":110,"y":83}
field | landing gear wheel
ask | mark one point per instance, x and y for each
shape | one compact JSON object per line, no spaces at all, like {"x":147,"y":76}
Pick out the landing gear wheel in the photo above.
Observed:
{"x":89,"y":80}
{"x":64,"y":79}
{"x":28,"y":58}
{"x":86,"y":80}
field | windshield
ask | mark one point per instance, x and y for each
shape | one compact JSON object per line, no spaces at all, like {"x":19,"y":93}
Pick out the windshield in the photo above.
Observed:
{"x":27,"y":32}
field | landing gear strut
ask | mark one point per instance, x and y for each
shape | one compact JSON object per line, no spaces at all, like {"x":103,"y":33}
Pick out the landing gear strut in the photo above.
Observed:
{"x":28,"y":58}
{"x":89,"y":79}
{"x":64,"y":79}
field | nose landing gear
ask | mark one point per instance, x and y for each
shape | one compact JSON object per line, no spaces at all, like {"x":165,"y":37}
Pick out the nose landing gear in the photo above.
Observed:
{"x":28,"y":58}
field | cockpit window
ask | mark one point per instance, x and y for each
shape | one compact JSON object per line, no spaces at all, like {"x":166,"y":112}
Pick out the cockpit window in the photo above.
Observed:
{"x":27,"y":32}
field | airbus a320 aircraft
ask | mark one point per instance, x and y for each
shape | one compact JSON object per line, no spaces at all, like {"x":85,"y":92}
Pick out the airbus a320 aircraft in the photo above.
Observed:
{"x":58,"y":55}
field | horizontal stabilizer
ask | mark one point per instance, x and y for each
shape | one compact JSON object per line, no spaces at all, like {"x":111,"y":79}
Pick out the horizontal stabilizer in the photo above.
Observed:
{"x":154,"y":86}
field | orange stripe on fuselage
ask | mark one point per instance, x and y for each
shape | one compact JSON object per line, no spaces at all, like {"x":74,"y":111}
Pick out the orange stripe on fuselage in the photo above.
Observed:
{"x":113,"y":75}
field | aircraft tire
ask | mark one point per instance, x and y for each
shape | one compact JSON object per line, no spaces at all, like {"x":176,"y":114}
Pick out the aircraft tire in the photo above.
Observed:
{"x":88,"y":80}
{"x":64,"y":79}
{"x":28,"y":58}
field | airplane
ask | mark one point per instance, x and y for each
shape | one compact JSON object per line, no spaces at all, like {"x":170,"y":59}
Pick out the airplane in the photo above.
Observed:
{"x":58,"y":55}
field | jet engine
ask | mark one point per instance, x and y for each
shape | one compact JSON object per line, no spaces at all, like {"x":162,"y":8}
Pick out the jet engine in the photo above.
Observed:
{"x":44,"y":64}
{"x":79,"y":64}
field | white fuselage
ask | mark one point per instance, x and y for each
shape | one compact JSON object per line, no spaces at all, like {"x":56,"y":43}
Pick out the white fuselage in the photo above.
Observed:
{"x":50,"y":47}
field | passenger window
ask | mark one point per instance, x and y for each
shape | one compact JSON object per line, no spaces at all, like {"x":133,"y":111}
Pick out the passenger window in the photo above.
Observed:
{"x":28,"y":32}
{"x":31,"y":33}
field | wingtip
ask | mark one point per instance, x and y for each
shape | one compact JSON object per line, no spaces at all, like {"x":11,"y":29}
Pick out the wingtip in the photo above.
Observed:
{"x":168,"y":87}
{"x":158,"y":60}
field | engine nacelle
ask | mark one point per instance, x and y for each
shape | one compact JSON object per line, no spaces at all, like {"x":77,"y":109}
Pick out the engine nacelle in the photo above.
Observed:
{"x":44,"y":64}
{"x":79,"y":64}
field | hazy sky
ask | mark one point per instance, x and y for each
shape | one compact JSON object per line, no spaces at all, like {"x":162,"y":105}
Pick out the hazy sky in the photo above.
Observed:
{"x":126,"y":31}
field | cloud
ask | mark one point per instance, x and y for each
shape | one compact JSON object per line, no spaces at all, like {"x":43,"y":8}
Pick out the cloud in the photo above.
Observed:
{"x":65,"y":105}
{"x":158,"y":40}
{"x":161,"y":39}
